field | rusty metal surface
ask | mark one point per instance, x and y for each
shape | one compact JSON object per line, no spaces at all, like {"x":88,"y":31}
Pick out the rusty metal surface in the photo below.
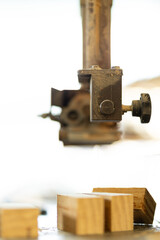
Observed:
{"x":62,"y":98}
{"x":75,"y":124}
{"x":105,"y":84}
{"x":96,"y":21}
{"x":76,"y":128}
{"x":140,"y":108}
{"x":103,"y":103}
{"x":90,"y":134}
{"x":100,"y":86}
{"x":77,"y":111}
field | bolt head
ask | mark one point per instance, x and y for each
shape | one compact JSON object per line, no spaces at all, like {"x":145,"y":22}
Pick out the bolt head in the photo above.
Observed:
{"x":107,"y":107}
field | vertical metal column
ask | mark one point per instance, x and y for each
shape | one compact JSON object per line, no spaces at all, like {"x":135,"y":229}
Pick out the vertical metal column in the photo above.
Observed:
{"x":96,"y":21}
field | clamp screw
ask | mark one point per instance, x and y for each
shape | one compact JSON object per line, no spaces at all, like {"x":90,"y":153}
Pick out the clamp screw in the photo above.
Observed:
{"x":140,"y":108}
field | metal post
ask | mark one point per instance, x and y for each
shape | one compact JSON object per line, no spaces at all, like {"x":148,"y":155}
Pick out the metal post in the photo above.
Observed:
{"x":96,"y":20}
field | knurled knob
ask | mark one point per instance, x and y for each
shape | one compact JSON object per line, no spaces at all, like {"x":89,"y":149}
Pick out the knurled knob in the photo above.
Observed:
{"x":142,"y":108}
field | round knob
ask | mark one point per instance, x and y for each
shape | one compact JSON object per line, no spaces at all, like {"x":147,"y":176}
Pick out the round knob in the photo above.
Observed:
{"x":142,"y":108}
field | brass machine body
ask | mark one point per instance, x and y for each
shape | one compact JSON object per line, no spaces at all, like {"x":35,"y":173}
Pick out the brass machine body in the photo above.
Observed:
{"x":89,"y":115}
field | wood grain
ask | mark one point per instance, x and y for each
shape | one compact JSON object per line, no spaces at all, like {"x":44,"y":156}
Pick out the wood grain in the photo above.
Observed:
{"x":144,"y":204}
{"x":118,"y":211}
{"x":80,"y":214}
{"x":18,"y":220}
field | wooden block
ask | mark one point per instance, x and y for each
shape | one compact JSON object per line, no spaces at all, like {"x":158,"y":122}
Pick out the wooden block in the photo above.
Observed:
{"x":80,"y":214}
{"x":18,"y":220}
{"x":144,"y":204}
{"x":118,"y":211}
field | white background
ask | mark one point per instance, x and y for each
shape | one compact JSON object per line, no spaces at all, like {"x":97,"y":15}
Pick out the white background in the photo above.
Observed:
{"x":40,"y":48}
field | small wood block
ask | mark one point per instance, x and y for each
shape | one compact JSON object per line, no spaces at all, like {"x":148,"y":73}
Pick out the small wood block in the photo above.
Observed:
{"x":144,"y":204}
{"x":80,"y":214}
{"x":118,"y":211}
{"x":18,"y":220}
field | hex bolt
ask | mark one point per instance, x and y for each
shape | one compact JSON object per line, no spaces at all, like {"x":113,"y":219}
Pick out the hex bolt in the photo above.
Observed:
{"x":107,"y":107}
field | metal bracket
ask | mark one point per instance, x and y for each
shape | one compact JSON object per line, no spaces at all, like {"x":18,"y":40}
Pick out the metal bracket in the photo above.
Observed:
{"x":105,"y":93}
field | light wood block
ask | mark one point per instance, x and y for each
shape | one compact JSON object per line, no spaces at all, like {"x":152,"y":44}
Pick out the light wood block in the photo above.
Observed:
{"x":118,"y":211}
{"x":18,"y":220}
{"x":80,"y":214}
{"x":144,"y":204}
